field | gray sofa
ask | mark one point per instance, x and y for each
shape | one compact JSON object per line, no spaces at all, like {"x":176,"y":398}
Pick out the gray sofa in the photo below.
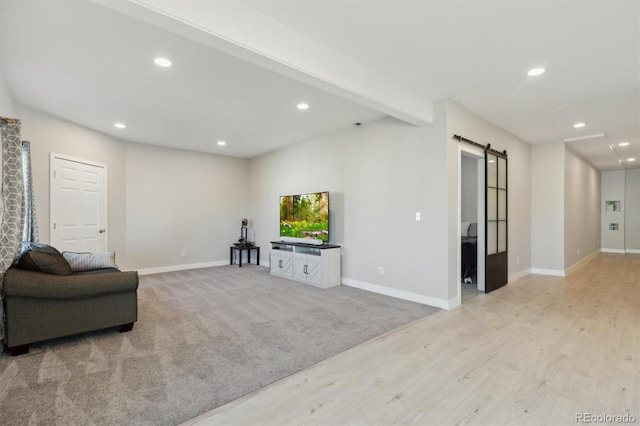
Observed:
{"x":45,"y":305}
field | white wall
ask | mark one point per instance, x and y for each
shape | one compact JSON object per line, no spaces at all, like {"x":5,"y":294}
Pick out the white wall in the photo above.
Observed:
{"x":581,"y":208}
{"x":50,"y":134}
{"x":471,"y":126}
{"x":613,"y":184}
{"x":469,"y":188}
{"x":6,"y":100}
{"x":632,"y":211}
{"x":182,"y":201}
{"x":624,"y":186}
{"x":161,"y":201}
{"x":378,"y":176}
{"x":547,"y":208}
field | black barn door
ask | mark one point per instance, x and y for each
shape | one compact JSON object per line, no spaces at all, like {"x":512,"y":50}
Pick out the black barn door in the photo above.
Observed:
{"x":496,"y":241}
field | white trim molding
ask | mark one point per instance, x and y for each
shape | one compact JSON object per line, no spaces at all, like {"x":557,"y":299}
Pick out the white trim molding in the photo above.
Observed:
{"x":518,"y":275}
{"x":543,"y":271}
{"x":584,"y":259}
{"x":634,"y":251}
{"x":186,"y":267}
{"x":454,"y":303}
{"x":606,"y":250}
{"x":174,"y":268}
{"x":401,"y":294}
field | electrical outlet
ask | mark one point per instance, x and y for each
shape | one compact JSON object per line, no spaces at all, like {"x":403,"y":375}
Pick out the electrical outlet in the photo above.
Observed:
{"x":518,"y":260}
{"x":380,"y":270}
{"x":417,"y":216}
{"x":183,"y":253}
{"x":578,"y":251}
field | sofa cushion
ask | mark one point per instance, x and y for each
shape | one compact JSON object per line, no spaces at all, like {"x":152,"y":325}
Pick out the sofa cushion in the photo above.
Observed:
{"x":88,"y":261}
{"x":48,"y":262}
{"x":31,"y":246}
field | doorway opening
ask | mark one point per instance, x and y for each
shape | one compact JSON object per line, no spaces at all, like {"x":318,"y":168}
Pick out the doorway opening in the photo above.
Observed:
{"x":471,"y":217}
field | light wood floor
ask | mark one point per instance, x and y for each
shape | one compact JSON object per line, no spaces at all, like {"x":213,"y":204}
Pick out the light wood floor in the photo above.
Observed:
{"x":537,"y":351}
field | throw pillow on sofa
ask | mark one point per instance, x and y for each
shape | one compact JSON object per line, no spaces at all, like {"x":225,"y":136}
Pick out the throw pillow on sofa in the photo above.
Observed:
{"x":88,"y":261}
{"x":38,"y":257}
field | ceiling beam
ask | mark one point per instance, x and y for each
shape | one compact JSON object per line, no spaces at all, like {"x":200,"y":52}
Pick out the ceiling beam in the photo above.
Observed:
{"x":241,"y":31}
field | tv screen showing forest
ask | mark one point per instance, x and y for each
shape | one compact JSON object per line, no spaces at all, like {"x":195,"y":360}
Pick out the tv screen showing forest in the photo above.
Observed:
{"x":305,"y":216}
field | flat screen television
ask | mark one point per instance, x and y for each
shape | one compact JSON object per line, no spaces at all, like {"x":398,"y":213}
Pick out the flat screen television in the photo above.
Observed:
{"x":305,"y":216}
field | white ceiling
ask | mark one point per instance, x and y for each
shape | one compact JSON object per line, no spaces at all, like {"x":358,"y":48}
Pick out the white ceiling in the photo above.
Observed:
{"x":240,"y":67}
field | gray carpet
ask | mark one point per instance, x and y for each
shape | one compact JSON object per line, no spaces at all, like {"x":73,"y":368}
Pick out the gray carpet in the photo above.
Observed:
{"x":203,"y":338}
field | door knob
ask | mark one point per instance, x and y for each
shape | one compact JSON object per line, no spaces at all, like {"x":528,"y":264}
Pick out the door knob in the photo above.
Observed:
{"x":102,"y":231}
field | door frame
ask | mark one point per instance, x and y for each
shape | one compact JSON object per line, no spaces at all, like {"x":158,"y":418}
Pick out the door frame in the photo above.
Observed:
{"x":479,"y":155}
{"x":53,"y":200}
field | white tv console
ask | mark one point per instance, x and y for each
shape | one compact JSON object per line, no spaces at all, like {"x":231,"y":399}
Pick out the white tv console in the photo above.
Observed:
{"x":307,"y":263}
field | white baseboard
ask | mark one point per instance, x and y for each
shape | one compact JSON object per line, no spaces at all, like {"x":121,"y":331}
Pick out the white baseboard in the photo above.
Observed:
{"x":584,"y":259}
{"x":620,"y":251}
{"x":543,"y":271}
{"x":174,"y":268}
{"x":454,"y":303}
{"x":606,"y":250}
{"x":518,"y":275}
{"x":400,"y":294}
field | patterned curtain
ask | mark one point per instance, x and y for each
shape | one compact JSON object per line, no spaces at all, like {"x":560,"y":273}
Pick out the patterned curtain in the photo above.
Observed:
{"x":30,"y":225}
{"x":10,"y":202}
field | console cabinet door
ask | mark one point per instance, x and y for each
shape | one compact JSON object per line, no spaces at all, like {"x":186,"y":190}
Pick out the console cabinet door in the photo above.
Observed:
{"x":314,"y":270}
{"x":282,"y":264}
{"x":308,"y":269}
{"x":300,"y":267}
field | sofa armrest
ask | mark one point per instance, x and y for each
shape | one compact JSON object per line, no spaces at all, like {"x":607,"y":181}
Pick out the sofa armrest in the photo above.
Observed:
{"x":36,"y":285}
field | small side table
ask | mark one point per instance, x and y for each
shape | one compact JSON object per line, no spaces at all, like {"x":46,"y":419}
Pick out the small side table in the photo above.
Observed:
{"x":239,"y":249}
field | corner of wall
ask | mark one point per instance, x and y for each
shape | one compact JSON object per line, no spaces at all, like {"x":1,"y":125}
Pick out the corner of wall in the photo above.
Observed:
{"x":581,"y":208}
{"x":547,"y":207}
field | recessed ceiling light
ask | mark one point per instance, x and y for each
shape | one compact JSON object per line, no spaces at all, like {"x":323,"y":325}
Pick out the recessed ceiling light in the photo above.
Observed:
{"x":535,"y":71}
{"x":303,"y":106}
{"x":162,"y":62}
{"x":623,"y":144}
{"x":120,"y":125}
{"x":631,"y":159}
{"x":222,"y":143}
{"x":579,"y":125}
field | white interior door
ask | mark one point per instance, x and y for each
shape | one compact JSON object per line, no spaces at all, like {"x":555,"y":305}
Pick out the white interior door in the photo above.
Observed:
{"x":78,"y":205}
